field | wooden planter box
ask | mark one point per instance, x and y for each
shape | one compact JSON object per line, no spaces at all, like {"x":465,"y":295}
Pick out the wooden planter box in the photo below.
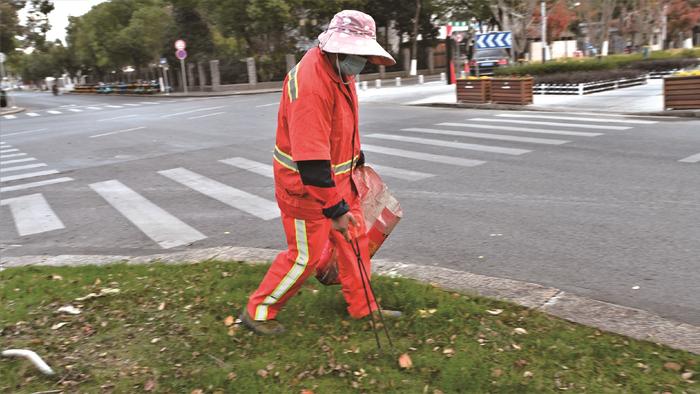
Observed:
{"x":511,"y":91}
{"x":682,"y":92}
{"x":473,"y":90}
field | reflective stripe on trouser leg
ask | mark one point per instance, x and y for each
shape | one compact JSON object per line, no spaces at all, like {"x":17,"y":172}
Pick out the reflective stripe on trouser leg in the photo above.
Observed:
{"x":294,"y":273}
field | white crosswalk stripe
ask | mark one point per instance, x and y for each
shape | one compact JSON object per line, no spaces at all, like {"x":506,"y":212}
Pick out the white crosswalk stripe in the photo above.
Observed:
{"x":499,"y":137}
{"x":532,"y":122}
{"x":149,"y":102}
{"x":10,"y":117}
{"x":250,"y":165}
{"x":53,"y":112}
{"x":114,"y":106}
{"x":400,"y":173}
{"x":32,"y":214}
{"x":579,"y":119}
{"x":17,"y":160}
{"x":159,"y":225}
{"x":31,"y":185}
{"x":457,"y":161}
{"x":27,"y":175}
{"x":522,"y":129}
{"x":75,"y":110}
{"x":9,"y":150}
{"x":450,"y":144}
{"x":691,"y":159}
{"x":13,"y":155}
{"x":94,"y":108}
{"x":24,"y":167}
{"x":132,"y":105}
{"x":250,"y":203}
{"x":32,"y":114}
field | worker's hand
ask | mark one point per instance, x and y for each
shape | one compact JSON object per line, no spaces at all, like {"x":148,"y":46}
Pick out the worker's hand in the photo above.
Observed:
{"x":342,"y":223}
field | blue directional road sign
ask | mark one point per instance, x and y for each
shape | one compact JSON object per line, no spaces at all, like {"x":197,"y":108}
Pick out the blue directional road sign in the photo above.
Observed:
{"x":496,"y":39}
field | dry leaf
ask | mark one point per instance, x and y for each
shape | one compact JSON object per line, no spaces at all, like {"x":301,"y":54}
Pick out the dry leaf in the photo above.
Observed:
{"x":69,"y":309}
{"x":672,"y":366}
{"x":262,"y":373}
{"x":405,"y":361}
{"x":520,"y":331}
{"x":496,"y":372}
{"x":687,"y":375}
{"x":56,"y":277}
{"x":521,"y":363}
{"x":231,"y":376}
{"x":97,"y":282}
{"x":197,"y":391}
{"x":516,"y":346}
{"x":306,"y":391}
{"x":449,"y":352}
{"x":527,"y":374}
{"x":642,"y":366}
{"x":150,"y":385}
{"x":58,"y":325}
{"x":494,"y":312}
{"x":229,"y":320}
{"x":155,"y":340}
{"x":161,"y":306}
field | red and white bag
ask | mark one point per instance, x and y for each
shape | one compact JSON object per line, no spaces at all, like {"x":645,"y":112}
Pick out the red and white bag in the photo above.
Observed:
{"x":382,"y":213}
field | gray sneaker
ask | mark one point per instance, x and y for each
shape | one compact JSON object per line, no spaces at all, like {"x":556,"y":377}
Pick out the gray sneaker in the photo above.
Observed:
{"x":262,"y":327}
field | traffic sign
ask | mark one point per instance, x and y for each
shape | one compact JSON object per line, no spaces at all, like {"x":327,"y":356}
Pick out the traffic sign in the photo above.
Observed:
{"x":181,"y":54}
{"x":180,"y":45}
{"x":496,"y":39}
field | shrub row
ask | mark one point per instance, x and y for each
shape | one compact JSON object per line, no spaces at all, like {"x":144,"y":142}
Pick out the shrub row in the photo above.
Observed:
{"x":658,"y":61}
{"x":588,"y":76}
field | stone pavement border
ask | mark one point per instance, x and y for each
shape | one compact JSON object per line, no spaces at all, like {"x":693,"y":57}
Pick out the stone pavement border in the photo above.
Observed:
{"x":618,"y":319}
{"x":11,"y":111}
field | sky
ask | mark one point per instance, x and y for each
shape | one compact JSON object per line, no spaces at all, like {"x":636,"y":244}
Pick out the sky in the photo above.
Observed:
{"x":58,"y":18}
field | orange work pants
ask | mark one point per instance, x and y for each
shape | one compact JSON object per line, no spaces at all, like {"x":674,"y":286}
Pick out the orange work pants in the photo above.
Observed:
{"x":306,"y":240}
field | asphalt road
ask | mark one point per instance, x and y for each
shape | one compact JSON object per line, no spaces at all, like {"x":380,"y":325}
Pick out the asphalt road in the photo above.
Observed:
{"x":602,"y":206}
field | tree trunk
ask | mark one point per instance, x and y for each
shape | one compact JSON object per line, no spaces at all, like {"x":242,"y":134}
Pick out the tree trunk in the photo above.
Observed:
{"x":414,"y":39}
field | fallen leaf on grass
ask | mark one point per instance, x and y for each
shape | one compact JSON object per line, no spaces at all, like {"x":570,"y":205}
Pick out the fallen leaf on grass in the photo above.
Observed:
{"x":56,"y":277}
{"x":494,"y":312}
{"x":405,"y":361}
{"x":520,"y":331}
{"x":449,"y":352}
{"x":69,"y":309}
{"x":58,"y":325}
{"x":516,"y":346}
{"x":155,"y":340}
{"x":102,"y":293}
{"x":229,"y":320}
{"x":521,"y":363}
{"x":528,"y":374}
{"x":687,"y":375}
{"x":161,"y":306}
{"x":150,"y":385}
{"x":262,"y":373}
{"x":672,"y":366}
{"x":197,"y":391}
{"x":305,"y":391}
{"x":231,"y":376}
{"x":496,"y":372}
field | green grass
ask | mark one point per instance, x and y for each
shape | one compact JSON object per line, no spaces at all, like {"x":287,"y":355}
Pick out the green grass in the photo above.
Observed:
{"x":165,"y":331}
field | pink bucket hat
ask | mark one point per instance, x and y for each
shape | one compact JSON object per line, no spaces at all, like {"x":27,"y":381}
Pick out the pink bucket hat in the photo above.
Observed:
{"x":354,"y":33}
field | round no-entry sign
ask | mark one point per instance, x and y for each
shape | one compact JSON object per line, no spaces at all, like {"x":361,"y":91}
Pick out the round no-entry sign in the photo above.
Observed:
{"x":181,"y":54}
{"x":180,"y":45}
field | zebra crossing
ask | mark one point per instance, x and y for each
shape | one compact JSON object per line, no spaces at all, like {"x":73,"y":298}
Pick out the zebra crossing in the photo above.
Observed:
{"x":33,"y":213}
{"x":16,"y":165}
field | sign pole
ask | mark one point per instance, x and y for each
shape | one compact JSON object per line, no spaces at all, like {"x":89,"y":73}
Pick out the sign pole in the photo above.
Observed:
{"x":184,"y":75}
{"x":543,"y":14}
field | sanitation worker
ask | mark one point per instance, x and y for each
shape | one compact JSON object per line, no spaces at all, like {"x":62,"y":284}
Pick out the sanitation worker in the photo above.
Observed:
{"x":317,"y":147}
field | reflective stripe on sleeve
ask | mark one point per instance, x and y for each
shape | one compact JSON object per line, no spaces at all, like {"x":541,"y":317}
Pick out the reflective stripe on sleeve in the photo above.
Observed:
{"x":287,"y":161}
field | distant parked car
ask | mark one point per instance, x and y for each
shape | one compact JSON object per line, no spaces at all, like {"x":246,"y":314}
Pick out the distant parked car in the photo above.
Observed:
{"x":488,"y":60}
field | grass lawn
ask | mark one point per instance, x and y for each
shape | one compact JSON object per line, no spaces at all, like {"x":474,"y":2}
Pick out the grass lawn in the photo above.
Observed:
{"x":165,"y":331}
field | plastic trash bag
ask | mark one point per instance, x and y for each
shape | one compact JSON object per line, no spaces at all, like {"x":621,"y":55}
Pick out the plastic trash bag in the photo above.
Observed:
{"x":382,"y":213}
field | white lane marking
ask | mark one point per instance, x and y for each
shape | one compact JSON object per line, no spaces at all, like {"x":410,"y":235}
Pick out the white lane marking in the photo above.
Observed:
{"x":35,"y":184}
{"x":450,"y":144}
{"x":523,"y":129}
{"x":9,"y":150}
{"x":117,"y":117}
{"x":582,"y":126}
{"x":579,"y":119}
{"x":691,"y":159}
{"x":13,"y":155}
{"x":24,"y":132}
{"x":400,"y":173}
{"x":24,"y":167}
{"x":32,"y":214}
{"x":17,"y":161}
{"x":117,"y":132}
{"x":159,"y":225}
{"x":250,"y":165}
{"x":500,"y":137}
{"x":133,"y":105}
{"x":54,"y":112}
{"x":205,"y":115}
{"x":189,"y":112}
{"x":75,"y":110}
{"x":246,"y":202}
{"x":27,"y":175}
{"x":266,"y":105}
{"x":114,"y":106}
{"x":94,"y":108}
{"x":603,"y":114}
{"x":32,"y":114}
{"x":457,"y":161}
{"x":3,"y":143}
{"x":10,"y":117}
{"x":149,"y":102}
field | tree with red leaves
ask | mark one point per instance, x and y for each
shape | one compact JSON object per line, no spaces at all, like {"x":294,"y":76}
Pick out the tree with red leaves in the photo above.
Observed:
{"x":682,"y":16}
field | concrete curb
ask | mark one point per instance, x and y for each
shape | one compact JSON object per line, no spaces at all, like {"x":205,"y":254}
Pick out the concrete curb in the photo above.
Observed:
{"x":618,"y":319}
{"x":506,"y":107}
{"x":189,"y":95}
{"x":11,"y":111}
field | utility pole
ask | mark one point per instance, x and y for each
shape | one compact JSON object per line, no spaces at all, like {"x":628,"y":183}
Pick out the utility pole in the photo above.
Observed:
{"x":664,"y":26}
{"x":543,"y":13}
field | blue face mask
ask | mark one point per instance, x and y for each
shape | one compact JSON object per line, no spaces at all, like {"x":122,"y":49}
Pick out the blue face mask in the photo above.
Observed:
{"x":352,"y":64}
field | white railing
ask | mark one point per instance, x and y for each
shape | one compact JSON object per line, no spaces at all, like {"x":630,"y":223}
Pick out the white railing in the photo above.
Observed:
{"x":588,"y":87}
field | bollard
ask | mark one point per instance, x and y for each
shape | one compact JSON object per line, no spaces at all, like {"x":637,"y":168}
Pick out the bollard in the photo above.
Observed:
{"x":364,"y":85}
{"x":398,"y":81}
{"x":378,"y":83}
{"x":443,"y":77}
{"x":421,"y":80}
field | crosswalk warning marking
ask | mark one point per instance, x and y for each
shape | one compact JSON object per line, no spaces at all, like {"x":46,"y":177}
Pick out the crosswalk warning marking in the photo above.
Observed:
{"x":531,"y":122}
{"x":238,"y":199}
{"x":450,"y":144}
{"x":17,"y":160}
{"x":499,"y":137}
{"x":27,"y":175}
{"x":32,"y":214}
{"x":579,"y":119}
{"x":23,"y":167}
{"x":457,"y":161}
{"x":31,"y":185}
{"x":159,"y":225}
{"x":400,"y":173}
{"x":522,"y":129}
{"x":250,"y":165}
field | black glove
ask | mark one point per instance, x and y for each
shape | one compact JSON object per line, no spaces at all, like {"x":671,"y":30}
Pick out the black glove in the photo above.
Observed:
{"x":361,"y":160}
